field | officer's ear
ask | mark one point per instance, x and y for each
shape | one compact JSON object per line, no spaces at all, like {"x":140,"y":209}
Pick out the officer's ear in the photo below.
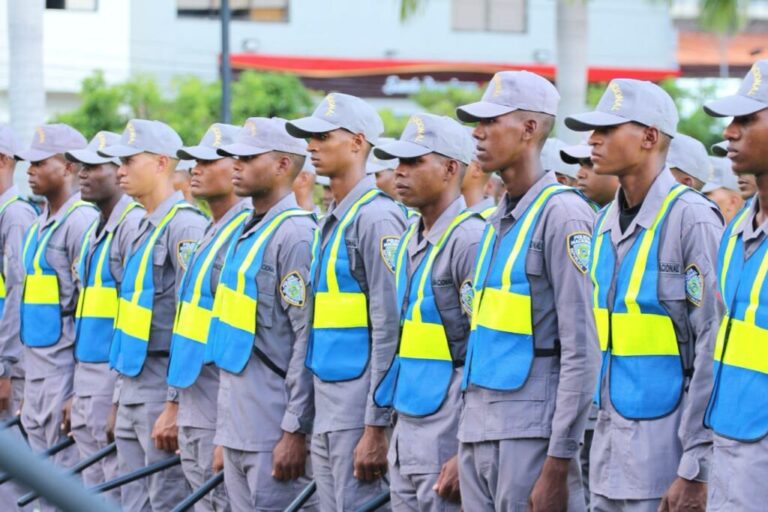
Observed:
{"x":451,"y":168}
{"x":651,"y":138}
{"x":360,"y":145}
{"x":70,"y":168}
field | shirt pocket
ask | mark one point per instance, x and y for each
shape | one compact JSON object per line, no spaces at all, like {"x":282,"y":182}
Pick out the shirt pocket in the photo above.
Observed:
{"x":162,"y":273}
{"x":671,"y":293}
{"x":266,"y":280}
{"x":534,"y":263}
{"x":356,"y":266}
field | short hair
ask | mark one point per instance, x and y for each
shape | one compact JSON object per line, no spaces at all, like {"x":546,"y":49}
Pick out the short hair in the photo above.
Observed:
{"x":297,"y":161}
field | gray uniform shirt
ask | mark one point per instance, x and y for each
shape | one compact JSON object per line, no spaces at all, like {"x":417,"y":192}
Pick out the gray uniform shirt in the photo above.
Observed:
{"x":257,"y":405}
{"x":554,"y":401}
{"x":640,"y":459}
{"x":14,"y":223}
{"x":197,"y":403}
{"x":96,"y":379}
{"x":348,"y":405}
{"x":423,"y":445}
{"x":168,"y":266}
{"x":62,"y":253}
{"x":483,"y":205}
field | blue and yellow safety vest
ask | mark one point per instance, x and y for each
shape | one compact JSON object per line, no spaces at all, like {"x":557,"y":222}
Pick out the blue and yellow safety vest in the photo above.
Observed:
{"x":3,"y":291}
{"x":738,"y":405}
{"x":501,"y":346}
{"x":486,"y":214}
{"x":40,"y":306}
{"x":136,"y":300}
{"x":339,"y":343}
{"x":418,"y":379}
{"x":97,"y":304}
{"x":233,"y":328}
{"x":194,"y":312}
{"x":637,"y":336}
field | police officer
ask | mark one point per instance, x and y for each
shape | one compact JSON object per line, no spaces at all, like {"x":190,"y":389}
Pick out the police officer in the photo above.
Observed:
{"x":551,"y":161}
{"x":182,"y":179}
{"x":688,"y":161}
{"x":16,"y":215}
{"x":723,"y":188}
{"x":599,"y":189}
{"x":304,"y":187}
{"x":747,"y":182}
{"x":435,"y":260}
{"x":355,"y":322}
{"x":261,"y":324}
{"x":383,"y":170}
{"x":653,"y":269}
{"x":532,"y":355}
{"x":166,"y":238}
{"x":198,"y":383}
{"x":475,"y":187}
{"x":737,"y":410}
{"x":100,"y":270}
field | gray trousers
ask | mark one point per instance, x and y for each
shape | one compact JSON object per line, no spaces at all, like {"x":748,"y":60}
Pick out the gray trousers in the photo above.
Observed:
{"x":332,"y":462}
{"x":11,"y":491}
{"x":196,"y":448}
{"x":89,"y":428}
{"x":414,"y":492}
{"x":602,"y":504}
{"x":737,"y":477}
{"x":250,"y":486}
{"x":135,"y":449}
{"x":41,"y":417}
{"x":499,"y":475}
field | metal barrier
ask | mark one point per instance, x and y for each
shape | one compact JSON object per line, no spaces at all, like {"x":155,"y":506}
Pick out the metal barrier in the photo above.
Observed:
{"x":302,"y":498}
{"x":378,"y":501}
{"x":53,"y":450}
{"x":196,"y":496}
{"x":137,"y":474}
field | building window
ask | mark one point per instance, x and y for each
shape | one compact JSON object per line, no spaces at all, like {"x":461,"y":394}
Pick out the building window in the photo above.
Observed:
{"x":490,"y":15}
{"x":72,"y":5}
{"x":253,"y":10}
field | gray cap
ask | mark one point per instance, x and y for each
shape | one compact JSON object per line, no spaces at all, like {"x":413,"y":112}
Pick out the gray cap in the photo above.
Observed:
{"x":429,"y":133}
{"x":8,"y":142}
{"x":336,"y":111}
{"x":551,"y":161}
{"x":324,"y":181}
{"x":722,"y":177}
{"x":752,"y":96}
{"x":626,"y":100}
{"x":690,"y":156}
{"x":218,"y":135}
{"x":143,"y":135}
{"x":509,"y":91}
{"x":574,"y":154}
{"x":720,"y":149}
{"x":376,"y":164}
{"x":90,"y":155}
{"x":261,"y":135}
{"x":185,"y":165}
{"x":52,"y":139}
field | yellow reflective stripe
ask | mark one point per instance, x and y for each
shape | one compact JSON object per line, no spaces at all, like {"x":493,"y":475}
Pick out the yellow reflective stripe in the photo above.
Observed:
{"x":402,"y":252}
{"x":602,"y":325}
{"x":729,"y":249}
{"x":41,"y":289}
{"x":194,"y":322}
{"x":488,"y":212}
{"x":333,"y":284}
{"x":636,"y":277}
{"x":102,"y":258}
{"x":720,"y":340}
{"x":27,"y":241}
{"x":423,"y":346}
{"x":134,"y":319}
{"x":484,"y":246}
{"x":2,"y":287}
{"x":236,"y":309}
{"x":504,"y":311}
{"x":84,"y":247}
{"x":506,"y":275}
{"x":754,"y":293}
{"x":98,"y":302}
{"x":747,"y":346}
{"x":340,"y":310}
{"x":644,"y":334}
{"x":595,"y":258}
{"x":44,"y":241}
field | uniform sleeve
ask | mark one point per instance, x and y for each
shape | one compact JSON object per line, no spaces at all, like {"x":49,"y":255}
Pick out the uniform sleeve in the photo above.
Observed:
{"x":383,"y":312}
{"x":296,"y":299}
{"x":82,"y":219}
{"x":463,"y":263}
{"x":569,"y":223}
{"x":701,"y":234}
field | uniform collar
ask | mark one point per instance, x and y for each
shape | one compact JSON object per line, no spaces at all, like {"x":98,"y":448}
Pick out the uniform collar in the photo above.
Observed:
{"x":547,"y":179}
{"x":439,"y":228}
{"x":746,"y":226}
{"x":163,"y":208}
{"x":358,"y":191}
{"x":286,"y":203}
{"x":13,"y":191}
{"x":238,"y":208}
{"x":115,"y":216}
{"x":483,"y":205}
{"x":60,"y":213}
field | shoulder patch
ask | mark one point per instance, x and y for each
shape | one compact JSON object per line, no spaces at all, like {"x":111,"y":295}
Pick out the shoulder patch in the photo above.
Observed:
{"x":184,"y":251}
{"x":694,"y":285}
{"x":293,"y":290}
{"x":579,"y":248}
{"x":466,"y":296}
{"x":388,"y":250}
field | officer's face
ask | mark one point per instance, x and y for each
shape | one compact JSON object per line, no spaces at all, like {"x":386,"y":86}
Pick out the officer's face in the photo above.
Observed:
{"x":600,"y":189}
{"x":49,"y":175}
{"x":728,"y":201}
{"x":747,"y":185}
{"x":336,"y":151}
{"x":212,"y":178}
{"x":98,"y":182}
{"x":385,"y":181}
{"x":748,"y":143}
{"x":254,"y":176}
{"x":138,"y":175}
{"x":616,"y":150}
{"x":421,"y":181}
{"x":499,"y":141}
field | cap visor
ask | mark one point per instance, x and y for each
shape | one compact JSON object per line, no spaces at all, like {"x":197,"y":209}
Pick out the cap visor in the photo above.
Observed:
{"x":733,"y":106}
{"x":573,"y":154}
{"x":84,"y":156}
{"x":308,"y":126}
{"x":710,"y":187}
{"x":198,"y":153}
{"x":119,"y":151}
{"x":719,"y":149}
{"x":33,"y":155}
{"x":591,"y":120}
{"x":482,"y":110}
{"x":400,"y":149}
{"x":239,"y":149}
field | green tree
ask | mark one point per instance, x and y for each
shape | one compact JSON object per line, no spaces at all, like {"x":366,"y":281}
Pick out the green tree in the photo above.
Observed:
{"x":99,"y":109}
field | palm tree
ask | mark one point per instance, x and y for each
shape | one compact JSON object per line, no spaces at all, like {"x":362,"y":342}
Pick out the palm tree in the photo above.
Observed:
{"x":725,"y":18}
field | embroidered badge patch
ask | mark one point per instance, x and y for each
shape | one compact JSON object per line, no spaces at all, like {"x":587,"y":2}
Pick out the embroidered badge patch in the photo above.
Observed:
{"x":694,"y":285}
{"x":293,"y":289}
{"x":579,"y":247}
{"x":388,"y":249}
{"x":466,"y":295}
{"x":184,"y":251}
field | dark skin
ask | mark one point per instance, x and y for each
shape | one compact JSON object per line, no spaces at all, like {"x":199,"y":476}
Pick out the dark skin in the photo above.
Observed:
{"x":600,"y":189}
{"x":636,"y":154}
{"x":747,"y":143}
{"x":511,"y":144}
{"x":303,"y":188}
{"x":7,"y":165}
{"x":474,"y":184}
{"x":53,"y":179}
{"x":212,"y":182}
{"x":385,"y":181}
{"x":341,"y":156}
{"x":686,"y":179}
{"x":267,"y":179}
